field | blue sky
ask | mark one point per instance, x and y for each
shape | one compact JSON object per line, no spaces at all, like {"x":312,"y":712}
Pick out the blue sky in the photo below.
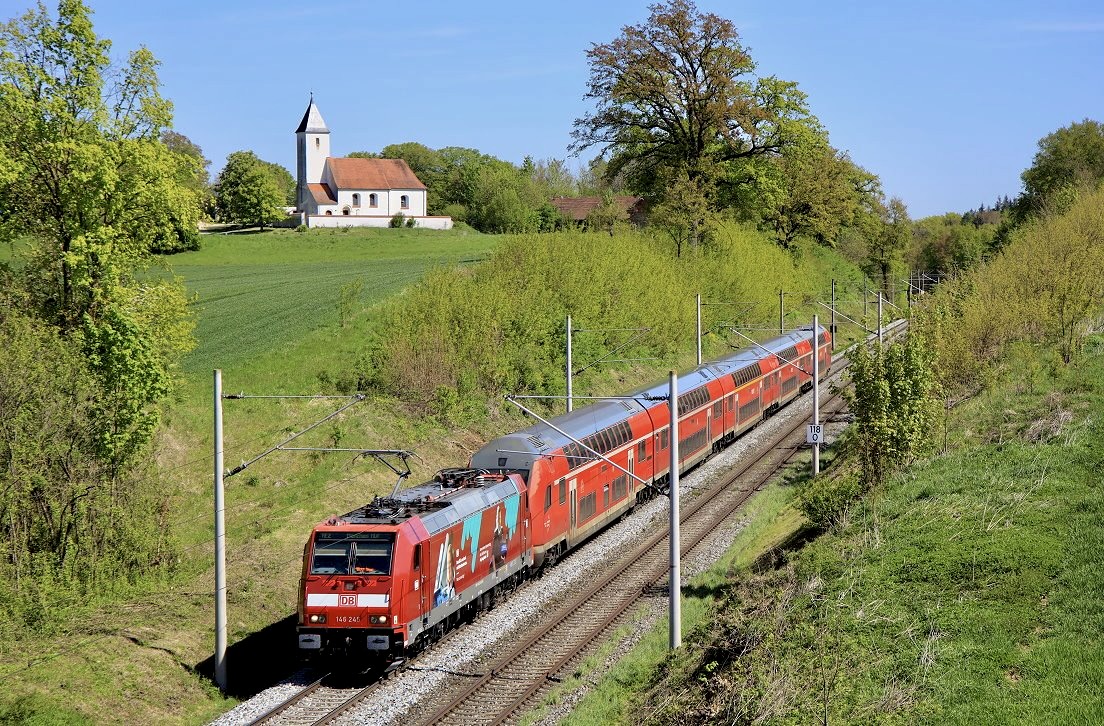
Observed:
{"x":945,"y":101}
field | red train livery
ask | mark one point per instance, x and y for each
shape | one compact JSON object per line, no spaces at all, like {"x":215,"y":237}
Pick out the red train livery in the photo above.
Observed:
{"x":394,"y":575}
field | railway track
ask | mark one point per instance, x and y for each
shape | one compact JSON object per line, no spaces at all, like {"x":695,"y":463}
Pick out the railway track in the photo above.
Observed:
{"x":514,"y":681}
{"x":315,"y":705}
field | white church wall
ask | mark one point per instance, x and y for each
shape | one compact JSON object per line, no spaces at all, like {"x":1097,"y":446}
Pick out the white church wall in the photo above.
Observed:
{"x":340,"y":220}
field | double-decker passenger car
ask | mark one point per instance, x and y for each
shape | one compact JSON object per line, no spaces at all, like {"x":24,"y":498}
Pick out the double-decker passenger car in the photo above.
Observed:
{"x":573,"y":493}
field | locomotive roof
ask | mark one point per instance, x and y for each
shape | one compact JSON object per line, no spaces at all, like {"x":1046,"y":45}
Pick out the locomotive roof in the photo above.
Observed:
{"x":599,"y":415}
{"x":448,"y":498}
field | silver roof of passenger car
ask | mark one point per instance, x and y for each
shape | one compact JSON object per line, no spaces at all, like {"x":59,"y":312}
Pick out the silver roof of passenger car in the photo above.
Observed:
{"x":597,"y":416}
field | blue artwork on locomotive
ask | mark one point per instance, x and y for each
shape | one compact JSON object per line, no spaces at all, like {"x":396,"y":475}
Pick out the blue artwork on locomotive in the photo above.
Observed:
{"x":505,"y":524}
{"x":470,"y":536}
{"x":444,"y":588}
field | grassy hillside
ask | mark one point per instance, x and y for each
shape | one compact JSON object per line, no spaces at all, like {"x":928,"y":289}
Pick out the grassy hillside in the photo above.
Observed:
{"x":267,"y":308}
{"x":967,"y":591}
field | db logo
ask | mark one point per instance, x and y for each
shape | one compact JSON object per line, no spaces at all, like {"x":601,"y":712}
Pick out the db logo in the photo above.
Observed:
{"x":346,"y":600}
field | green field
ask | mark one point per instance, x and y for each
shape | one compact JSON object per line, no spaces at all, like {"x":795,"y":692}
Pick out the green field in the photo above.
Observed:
{"x":255,"y":294}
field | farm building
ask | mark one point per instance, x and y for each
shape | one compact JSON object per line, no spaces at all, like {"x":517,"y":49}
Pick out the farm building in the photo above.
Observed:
{"x":340,"y":192}
{"x":577,"y":209}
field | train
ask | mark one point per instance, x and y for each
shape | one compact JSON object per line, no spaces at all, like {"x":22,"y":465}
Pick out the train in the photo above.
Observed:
{"x":389,"y":578}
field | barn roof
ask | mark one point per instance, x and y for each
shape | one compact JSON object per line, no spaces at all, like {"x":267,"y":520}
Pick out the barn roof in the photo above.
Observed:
{"x":373,"y":174}
{"x":579,"y":208}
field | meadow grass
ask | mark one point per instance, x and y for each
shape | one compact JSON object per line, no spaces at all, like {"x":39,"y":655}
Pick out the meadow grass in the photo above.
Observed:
{"x":253,"y":294}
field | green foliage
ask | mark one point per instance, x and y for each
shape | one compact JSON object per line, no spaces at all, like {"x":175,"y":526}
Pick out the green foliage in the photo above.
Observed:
{"x":607,"y":216}
{"x":809,"y":189}
{"x":496,"y":328}
{"x":678,"y":95}
{"x":251,"y":191}
{"x":1044,"y":286}
{"x":396,"y":220}
{"x":89,"y":345}
{"x":684,"y":214}
{"x":1072,"y":156}
{"x":824,"y":499}
{"x":892,"y":398}
{"x":69,"y":508}
{"x":951,"y":243}
{"x":888,"y":243}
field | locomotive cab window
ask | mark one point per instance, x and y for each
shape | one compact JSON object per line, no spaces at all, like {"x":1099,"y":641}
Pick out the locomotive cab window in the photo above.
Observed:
{"x":563,"y":490}
{"x":548,"y":497}
{"x":352,"y":553}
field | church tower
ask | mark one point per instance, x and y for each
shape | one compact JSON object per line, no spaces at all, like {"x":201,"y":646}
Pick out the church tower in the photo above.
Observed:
{"x":312,"y":148}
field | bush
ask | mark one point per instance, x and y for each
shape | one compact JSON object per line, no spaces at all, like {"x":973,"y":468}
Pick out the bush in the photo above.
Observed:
{"x":824,"y":499}
{"x":396,"y":221}
{"x":302,"y":228}
{"x":411,"y":222}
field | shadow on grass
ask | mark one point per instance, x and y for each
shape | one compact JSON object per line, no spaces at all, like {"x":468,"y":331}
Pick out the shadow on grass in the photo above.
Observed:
{"x":259,"y":660}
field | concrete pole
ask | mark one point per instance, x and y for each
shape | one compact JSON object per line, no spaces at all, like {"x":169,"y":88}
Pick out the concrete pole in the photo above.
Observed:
{"x":699,"y":329}
{"x":833,"y":328}
{"x":866,"y":310}
{"x":673,"y":479}
{"x":879,"y":316}
{"x":220,"y":544}
{"x":781,"y":311}
{"x":569,"y":364}
{"x":816,"y":391}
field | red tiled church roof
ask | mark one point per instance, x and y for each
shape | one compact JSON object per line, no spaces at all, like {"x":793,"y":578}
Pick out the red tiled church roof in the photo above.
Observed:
{"x":322,"y":194}
{"x":373,"y":174}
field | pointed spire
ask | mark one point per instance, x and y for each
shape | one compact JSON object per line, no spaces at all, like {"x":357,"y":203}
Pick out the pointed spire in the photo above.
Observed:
{"x":312,"y":122}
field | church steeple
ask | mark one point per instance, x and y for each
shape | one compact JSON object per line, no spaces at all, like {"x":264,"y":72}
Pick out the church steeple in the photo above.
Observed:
{"x":312,"y":120}
{"x":312,"y":148}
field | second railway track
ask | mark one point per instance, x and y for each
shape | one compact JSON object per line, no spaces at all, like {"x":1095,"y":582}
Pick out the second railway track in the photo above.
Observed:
{"x":511,"y":683}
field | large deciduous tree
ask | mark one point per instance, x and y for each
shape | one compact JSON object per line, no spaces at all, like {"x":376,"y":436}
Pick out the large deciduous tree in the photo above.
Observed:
{"x":87,"y":180}
{"x":887,"y":244}
{"x":1071,"y":156}
{"x":677,"y":96}
{"x":249,"y":191}
{"x":809,"y":190}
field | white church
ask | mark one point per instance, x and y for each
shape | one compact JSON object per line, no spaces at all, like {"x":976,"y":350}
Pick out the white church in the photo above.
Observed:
{"x":336,"y":192}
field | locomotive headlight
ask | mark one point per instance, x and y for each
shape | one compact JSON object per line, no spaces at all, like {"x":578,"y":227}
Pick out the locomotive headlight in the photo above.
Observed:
{"x":317,"y":618}
{"x":377,"y":619}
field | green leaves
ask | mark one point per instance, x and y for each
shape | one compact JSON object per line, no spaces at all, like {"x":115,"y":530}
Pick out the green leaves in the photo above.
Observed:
{"x":89,"y":348}
{"x":249,"y":191}
{"x":893,"y":402}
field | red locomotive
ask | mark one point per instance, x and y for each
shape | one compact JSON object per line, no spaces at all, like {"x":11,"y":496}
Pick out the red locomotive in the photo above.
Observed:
{"x":392,"y":576}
